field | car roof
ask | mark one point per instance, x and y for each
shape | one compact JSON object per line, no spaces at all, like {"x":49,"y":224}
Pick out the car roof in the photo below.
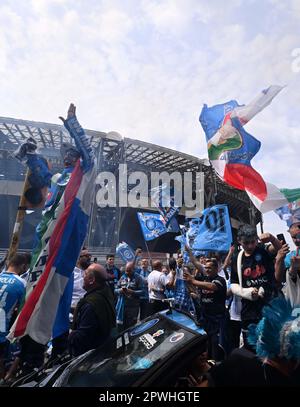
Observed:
{"x":176,"y":319}
{"x":184,"y":320}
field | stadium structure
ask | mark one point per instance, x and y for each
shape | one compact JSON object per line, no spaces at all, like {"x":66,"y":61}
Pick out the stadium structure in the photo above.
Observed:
{"x":110,"y":225}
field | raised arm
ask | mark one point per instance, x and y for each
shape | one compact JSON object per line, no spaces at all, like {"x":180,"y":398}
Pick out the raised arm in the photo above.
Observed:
{"x":269,"y":238}
{"x":81,"y":140}
{"x":279,"y":263}
{"x":193,"y":259}
{"x":227,"y":261}
{"x":200,"y":284}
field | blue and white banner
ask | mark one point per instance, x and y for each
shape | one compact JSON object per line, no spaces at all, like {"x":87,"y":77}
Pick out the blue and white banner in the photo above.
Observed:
{"x":183,"y":241}
{"x":193,"y":230}
{"x":214,"y":232}
{"x":153,"y":225}
{"x":161,"y":194}
{"x":124,"y":251}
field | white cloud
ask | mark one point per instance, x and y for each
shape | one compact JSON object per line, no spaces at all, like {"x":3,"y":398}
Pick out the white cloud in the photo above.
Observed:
{"x":168,"y":16}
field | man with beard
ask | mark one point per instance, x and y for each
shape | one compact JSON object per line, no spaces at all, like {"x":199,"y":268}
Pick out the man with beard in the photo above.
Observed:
{"x":83,"y":263}
{"x":94,"y":316}
{"x":129,"y":290}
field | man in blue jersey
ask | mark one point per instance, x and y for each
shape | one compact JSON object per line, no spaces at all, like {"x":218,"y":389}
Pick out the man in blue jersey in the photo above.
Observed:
{"x":113,"y":272}
{"x":144,"y":272}
{"x":12,"y":292}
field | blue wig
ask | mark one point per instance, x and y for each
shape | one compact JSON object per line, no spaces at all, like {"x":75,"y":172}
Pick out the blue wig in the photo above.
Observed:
{"x":278,"y":332}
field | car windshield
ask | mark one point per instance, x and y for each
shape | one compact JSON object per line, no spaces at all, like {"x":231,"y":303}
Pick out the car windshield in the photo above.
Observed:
{"x":127,"y":358}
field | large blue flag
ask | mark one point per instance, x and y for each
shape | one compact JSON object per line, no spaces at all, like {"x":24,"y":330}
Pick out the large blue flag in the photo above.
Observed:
{"x":153,"y":226}
{"x":214,"y":231}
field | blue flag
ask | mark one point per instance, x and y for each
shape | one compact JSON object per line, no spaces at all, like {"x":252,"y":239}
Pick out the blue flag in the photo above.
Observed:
{"x":153,"y":226}
{"x":183,"y":241}
{"x":124,"y":251}
{"x":214,"y":232}
{"x":193,"y":230}
{"x":158,"y":195}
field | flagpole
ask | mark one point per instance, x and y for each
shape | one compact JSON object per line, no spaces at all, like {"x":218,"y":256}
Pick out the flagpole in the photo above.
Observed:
{"x":148,"y":252}
{"x":261,"y":223}
{"x":15,"y":239}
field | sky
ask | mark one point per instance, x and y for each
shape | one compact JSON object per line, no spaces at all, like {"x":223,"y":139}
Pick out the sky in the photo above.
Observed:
{"x":144,"y":68}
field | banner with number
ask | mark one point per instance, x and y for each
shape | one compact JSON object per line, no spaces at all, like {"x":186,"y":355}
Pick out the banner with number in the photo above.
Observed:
{"x":214,"y":232}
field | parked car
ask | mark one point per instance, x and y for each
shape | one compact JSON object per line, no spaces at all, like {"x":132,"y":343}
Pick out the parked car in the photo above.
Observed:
{"x":155,"y":352}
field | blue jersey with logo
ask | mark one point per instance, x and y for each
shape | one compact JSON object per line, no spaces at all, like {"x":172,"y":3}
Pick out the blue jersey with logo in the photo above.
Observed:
{"x":183,"y":300}
{"x":144,"y":274}
{"x":12,"y":291}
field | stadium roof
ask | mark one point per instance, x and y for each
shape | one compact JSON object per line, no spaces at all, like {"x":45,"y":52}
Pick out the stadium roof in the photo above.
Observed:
{"x":46,"y":134}
{"x":50,"y":136}
{"x":116,"y":149}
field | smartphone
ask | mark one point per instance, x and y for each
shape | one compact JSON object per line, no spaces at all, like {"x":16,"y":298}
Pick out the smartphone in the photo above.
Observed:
{"x":281,"y":238}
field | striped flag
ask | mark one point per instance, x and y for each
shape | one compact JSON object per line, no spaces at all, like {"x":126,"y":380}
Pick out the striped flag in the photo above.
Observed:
{"x":45,"y":312}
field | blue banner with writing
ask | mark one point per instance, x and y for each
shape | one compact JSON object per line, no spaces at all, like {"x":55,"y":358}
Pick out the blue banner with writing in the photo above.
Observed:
{"x":214,"y":232}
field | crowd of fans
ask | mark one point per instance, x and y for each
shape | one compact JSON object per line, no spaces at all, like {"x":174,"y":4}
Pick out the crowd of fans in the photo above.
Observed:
{"x":226,"y":295}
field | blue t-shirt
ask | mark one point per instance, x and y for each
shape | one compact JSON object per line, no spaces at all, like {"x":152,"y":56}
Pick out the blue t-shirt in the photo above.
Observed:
{"x":12,"y":291}
{"x":144,"y":274}
{"x":182,"y":296}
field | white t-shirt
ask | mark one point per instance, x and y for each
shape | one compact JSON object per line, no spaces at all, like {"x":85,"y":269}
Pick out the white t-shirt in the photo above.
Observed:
{"x":78,"y":290}
{"x":158,"y":280}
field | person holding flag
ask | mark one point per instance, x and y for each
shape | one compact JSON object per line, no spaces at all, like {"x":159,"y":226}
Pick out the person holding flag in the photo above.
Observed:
{"x":129,"y":290}
{"x":45,"y":314}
